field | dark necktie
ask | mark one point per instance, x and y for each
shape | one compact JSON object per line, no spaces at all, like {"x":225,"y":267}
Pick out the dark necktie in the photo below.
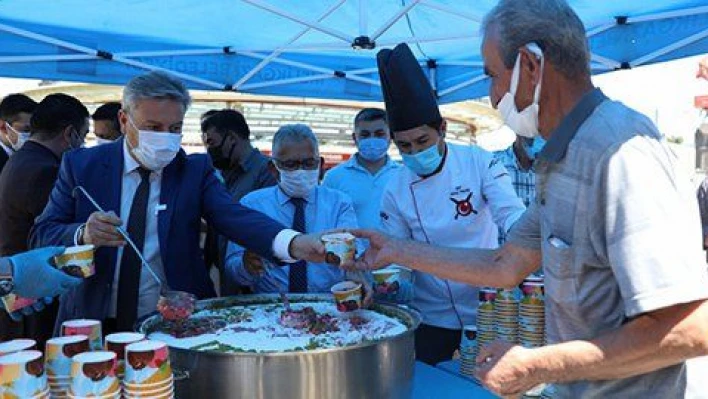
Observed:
{"x":130,"y":264}
{"x":297,"y":280}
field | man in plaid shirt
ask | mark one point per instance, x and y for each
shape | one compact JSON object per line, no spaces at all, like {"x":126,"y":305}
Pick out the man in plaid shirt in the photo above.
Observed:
{"x":518,"y":161}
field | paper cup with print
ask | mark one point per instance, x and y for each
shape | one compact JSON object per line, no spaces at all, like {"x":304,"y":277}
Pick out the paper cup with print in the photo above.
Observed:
{"x":339,"y":247}
{"x":17,"y":345}
{"x":146,"y":363}
{"x":117,"y":342}
{"x":94,"y":374}
{"x":22,"y":375}
{"x":59,"y":352}
{"x":347,"y":295}
{"x":387,"y":281}
{"x":149,"y":390}
{"x":87,"y":327}
{"x":77,"y":261}
{"x":13,"y":303}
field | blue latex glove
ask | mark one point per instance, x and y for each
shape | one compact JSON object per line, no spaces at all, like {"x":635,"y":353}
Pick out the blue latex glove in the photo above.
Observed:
{"x":34,"y":275}
{"x":34,"y":308}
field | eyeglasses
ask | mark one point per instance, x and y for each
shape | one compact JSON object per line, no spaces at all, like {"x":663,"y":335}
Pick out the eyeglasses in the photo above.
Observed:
{"x":295,"y":164}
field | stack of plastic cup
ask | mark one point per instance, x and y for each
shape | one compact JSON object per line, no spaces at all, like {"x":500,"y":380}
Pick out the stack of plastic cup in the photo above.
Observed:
{"x":93,"y":375}
{"x":532,"y":313}
{"x":148,"y":372}
{"x":117,"y":342}
{"x":469,"y":348}
{"x":486,"y":332}
{"x":87,"y":327}
{"x":506,"y":315}
{"x":22,"y":375}
{"x":17,"y":345}
{"x":58,"y":354}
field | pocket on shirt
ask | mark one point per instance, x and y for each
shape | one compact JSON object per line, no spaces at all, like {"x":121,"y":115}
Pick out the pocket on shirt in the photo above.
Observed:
{"x":558,"y":269}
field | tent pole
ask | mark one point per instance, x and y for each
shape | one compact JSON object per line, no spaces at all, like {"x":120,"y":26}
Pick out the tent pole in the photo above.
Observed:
{"x":313,"y":25}
{"x":363,"y":18}
{"x":279,"y":51}
{"x":89,"y":51}
{"x":401,"y":12}
{"x":170,"y":53}
{"x":612,"y":64}
{"x":672,"y":47}
{"x":449,"y":10}
{"x":461,"y":86}
{"x":252,"y":86}
{"x":45,"y":58}
{"x":600,"y":29}
{"x":669,"y":14}
{"x":314,"y":68}
{"x":479,"y":64}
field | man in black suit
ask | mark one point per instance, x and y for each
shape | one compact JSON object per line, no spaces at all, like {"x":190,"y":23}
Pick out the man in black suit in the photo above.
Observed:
{"x":15,"y":113}
{"x":59,"y":123}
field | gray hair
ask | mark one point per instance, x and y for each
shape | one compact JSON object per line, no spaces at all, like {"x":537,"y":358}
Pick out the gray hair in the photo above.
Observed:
{"x":294,"y":134}
{"x":155,"y":85}
{"x":552,"y":24}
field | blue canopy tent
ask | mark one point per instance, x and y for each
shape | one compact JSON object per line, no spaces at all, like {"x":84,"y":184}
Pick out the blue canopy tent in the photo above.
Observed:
{"x":318,"y":48}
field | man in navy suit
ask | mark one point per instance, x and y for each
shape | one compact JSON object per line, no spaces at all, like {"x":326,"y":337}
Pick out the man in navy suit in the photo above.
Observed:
{"x":148,"y":186}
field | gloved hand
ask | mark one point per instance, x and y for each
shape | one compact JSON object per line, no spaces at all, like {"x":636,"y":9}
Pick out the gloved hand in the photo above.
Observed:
{"x":34,"y":308}
{"x":35,"y":277}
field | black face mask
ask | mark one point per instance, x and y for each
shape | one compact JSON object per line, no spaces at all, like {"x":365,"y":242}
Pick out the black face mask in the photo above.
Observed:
{"x":220,"y":161}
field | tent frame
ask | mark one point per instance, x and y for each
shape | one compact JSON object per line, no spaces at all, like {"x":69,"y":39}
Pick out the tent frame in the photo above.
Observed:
{"x":344,"y":41}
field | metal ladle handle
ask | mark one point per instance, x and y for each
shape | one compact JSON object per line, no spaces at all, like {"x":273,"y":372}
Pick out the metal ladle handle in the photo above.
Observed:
{"x":127,"y":238}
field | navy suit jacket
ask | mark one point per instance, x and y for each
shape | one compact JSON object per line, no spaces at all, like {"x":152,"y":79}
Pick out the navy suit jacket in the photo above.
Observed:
{"x":190,"y":191}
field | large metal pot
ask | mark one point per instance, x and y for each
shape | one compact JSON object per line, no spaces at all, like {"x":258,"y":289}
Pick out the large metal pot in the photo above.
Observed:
{"x":382,"y":369}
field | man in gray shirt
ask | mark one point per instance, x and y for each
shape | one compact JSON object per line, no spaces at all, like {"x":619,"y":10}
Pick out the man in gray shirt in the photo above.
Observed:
{"x":614,"y":225}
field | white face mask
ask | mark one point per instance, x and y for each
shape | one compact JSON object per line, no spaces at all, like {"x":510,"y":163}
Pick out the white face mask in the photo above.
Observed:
{"x":298,"y":183}
{"x":22,"y":137}
{"x":525,"y":122}
{"x":155,"y":150}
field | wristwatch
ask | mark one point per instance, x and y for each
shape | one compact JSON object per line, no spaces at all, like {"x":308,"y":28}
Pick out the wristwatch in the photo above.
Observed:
{"x":7,"y":284}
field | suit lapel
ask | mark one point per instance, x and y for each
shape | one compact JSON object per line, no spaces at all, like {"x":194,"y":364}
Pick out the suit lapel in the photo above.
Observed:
{"x":110,"y":198}
{"x":169,"y":191}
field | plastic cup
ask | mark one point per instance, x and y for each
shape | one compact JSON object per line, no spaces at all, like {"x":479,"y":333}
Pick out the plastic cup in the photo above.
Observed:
{"x":117,"y":342}
{"x":347,"y":295}
{"x":87,"y":327}
{"x":339,"y":247}
{"x":77,"y":261}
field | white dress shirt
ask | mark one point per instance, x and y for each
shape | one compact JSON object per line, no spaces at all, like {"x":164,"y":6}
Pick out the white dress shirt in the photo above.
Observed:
{"x":149,"y":290}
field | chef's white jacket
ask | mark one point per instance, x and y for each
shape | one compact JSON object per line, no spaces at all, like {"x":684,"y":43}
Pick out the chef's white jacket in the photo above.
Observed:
{"x":460,"y":206}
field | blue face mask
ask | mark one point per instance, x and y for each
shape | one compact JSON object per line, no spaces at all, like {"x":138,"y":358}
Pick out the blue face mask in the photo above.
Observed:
{"x":424,"y":162}
{"x":372,"y":149}
{"x":533,"y":146}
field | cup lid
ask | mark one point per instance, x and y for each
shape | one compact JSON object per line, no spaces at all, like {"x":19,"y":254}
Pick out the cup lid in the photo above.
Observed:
{"x":345,"y":286}
{"x":67,"y":339}
{"x":124,"y":337}
{"x":94,"y":357}
{"x":144,"y":346}
{"x":337,"y":237}
{"x":20,"y":357}
{"x":78,"y":249}
{"x":81,"y":323}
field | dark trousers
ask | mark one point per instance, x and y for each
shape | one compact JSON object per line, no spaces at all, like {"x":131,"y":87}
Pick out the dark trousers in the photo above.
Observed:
{"x":435,"y":344}
{"x":38,"y":326}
